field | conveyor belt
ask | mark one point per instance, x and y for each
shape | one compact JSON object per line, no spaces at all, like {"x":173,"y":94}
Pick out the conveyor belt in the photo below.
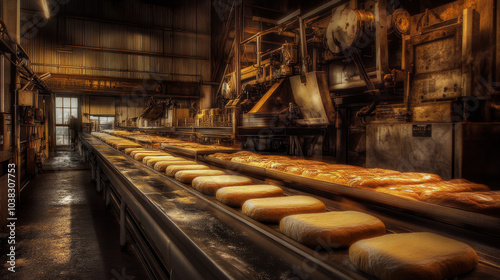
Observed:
{"x":218,"y":244}
{"x":241,"y":242}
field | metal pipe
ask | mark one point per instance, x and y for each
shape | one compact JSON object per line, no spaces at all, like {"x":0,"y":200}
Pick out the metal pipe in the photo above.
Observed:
{"x":136,"y":52}
{"x":323,"y":7}
{"x":237,"y":62}
{"x":123,"y":228}
{"x":258,"y":55}
{"x":407,"y":98}
{"x":263,"y":8}
{"x":53,"y":115}
{"x":110,"y":69}
{"x":98,"y":178}
{"x":2,"y":84}
{"x":16,"y":127}
{"x":303,"y":46}
{"x":92,"y":171}
{"x":315,"y":59}
{"x":288,"y":17}
{"x":269,"y":31}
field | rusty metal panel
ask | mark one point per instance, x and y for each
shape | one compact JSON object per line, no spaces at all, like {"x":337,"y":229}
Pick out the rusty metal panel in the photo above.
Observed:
{"x":311,"y":94}
{"x":437,"y":55}
{"x":437,"y":61}
{"x":443,"y":111}
{"x":393,"y":146}
{"x":438,"y":85}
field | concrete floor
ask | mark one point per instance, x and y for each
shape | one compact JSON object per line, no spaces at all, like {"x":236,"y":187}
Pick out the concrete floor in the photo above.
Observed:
{"x":64,"y":231}
{"x":64,"y":160}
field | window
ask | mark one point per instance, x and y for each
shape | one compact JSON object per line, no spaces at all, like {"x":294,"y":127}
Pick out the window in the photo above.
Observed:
{"x":102,"y":122}
{"x":65,"y":108}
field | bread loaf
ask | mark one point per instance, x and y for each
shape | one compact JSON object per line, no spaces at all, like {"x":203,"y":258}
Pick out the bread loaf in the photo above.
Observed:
{"x":420,"y":255}
{"x":210,"y":184}
{"x":236,"y":196}
{"x":141,"y":156}
{"x":134,"y":152}
{"x":164,"y":157}
{"x":409,"y":178}
{"x":187,"y":176}
{"x":331,"y":229}
{"x":172,"y":169}
{"x":127,"y":145}
{"x":484,"y":202}
{"x":151,"y":162}
{"x":415,"y":191}
{"x":162,"y":165}
{"x":273,"y":209}
{"x":130,"y":150}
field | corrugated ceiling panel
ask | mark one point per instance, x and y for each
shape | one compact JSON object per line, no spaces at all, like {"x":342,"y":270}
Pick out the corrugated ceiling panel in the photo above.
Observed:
{"x":48,"y":55}
{"x":101,"y":106}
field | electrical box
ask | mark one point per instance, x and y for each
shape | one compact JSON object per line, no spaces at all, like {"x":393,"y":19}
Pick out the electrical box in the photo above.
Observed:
{"x":39,"y":115}
{"x":27,"y":98}
{"x":5,"y":132}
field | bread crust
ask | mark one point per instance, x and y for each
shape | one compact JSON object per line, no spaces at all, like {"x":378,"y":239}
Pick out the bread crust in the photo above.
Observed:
{"x":166,"y":156}
{"x":483,"y":202}
{"x":418,"y":255}
{"x":162,"y":165}
{"x":153,"y":160}
{"x":134,"y":152}
{"x":140,"y":156}
{"x":210,"y":184}
{"x":236,"y":196}
{"x":172,"y":169}
{"x":129,"y":150}
{"x":124,"y":146}
{"x":273,"y":209}
{"x":187,"y":176}
{"x":334,"y":229}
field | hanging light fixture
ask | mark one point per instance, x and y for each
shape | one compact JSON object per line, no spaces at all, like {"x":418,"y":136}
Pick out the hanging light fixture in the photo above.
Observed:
{"x":45,"y":8}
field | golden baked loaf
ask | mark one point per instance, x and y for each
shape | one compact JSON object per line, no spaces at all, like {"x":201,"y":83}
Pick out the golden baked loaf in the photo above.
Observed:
{"x":133,"y":153}
{"x":296,"y":170}
{"x":164,"y":157}
{"x":222,"y":156}
{"x":420,"y":255}
{"x":162,"y":165}
{"x":129,"y":150}
{"x":236,"y":196}
{"x":415,"y":191}
{"x":210,"y":184}
{"x":484,"y":202}
{"x":334,"y":229}
{"x":151,"y":162}
{"x":273,"y":209}
{"x":140,"y":156}
{"x":410,"y":178}
{"x":187,"y":176}
{"x":124,"y":146}
{"x":172,"y":169}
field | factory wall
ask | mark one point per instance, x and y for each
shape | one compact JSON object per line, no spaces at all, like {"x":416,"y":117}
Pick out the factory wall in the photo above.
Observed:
{"x":121,"y":39}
